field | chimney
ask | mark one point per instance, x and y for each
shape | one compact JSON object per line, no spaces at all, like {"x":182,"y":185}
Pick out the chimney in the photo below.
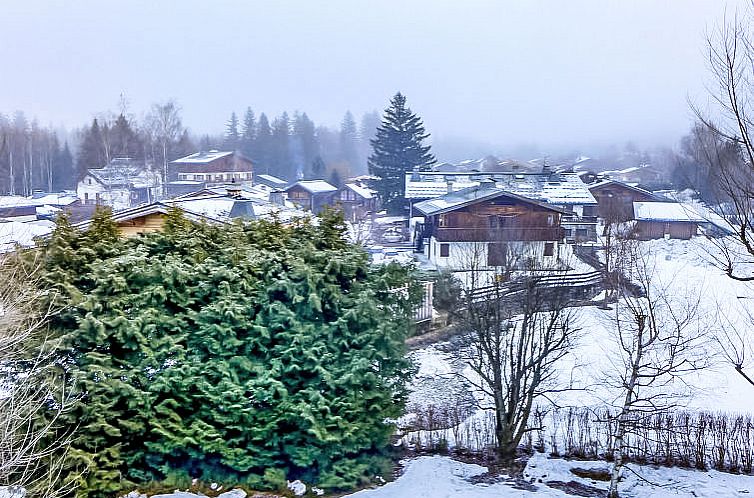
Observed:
{"x":234,"y":191}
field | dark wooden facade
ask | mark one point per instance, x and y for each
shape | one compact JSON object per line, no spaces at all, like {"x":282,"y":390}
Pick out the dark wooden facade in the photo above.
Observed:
{"x":616,"y":200}
{"x":314,"y":202}
{"x":355,"y":206}
{"x":647,"y":230}
{"x":499,"y":219}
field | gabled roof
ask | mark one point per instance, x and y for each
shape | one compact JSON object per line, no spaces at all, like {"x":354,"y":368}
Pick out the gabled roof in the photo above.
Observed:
{"x":314,"y":186}
{"x":559,"y":188}
{"x":203,"y":157}
{"x":146,"y":210}
{"x":472,"y":195}
{"x":666,"y":212}
{"x":607,"y":182}
{"x":271,"y":181}
{"x":363,"y":192}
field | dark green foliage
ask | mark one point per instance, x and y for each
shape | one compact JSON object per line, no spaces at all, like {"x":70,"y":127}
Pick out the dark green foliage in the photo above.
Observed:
{"x":398,"y":148}
{"x":246,"y":354}
{"x":446,"y":294}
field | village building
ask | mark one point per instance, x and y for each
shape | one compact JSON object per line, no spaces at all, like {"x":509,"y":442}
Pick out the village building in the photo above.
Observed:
{"x":357,"y":201}
{"x":122,"y":184}
{"x":312,"y":195}
{"x":146,"y":218}
{"x":236,"y":202}
{"x":270,"y":182}
{"x":562,"y":190}
{"x":485,"y":226}
{"x":672,"y":220}
{"x":212,"y":168}
{"x":37,"y":206}
{"x":615,"y":199}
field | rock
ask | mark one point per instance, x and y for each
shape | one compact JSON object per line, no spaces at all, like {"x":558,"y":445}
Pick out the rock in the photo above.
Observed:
{"x":318,"y":491}
{"x":233,"y":493}
{"x":298,"y":487}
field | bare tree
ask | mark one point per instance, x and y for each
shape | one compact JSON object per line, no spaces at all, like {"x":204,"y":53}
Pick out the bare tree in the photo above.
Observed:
{"x":32,"y":396}
{"x":165,"y":121}
{"x":658,"y":335}
{"x":515,"y":332}
{"x":726,"y":149}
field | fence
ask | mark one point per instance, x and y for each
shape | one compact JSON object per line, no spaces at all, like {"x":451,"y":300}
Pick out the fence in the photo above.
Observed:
{"x":701,"y":440}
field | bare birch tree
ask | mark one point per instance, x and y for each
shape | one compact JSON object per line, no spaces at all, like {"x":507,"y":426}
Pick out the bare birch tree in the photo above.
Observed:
{"x":32,"y":396}
{"x":165,"y":121}
{"x":658,"y":335}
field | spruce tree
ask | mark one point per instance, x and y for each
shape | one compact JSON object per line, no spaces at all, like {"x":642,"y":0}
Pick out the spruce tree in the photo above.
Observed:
{"x":91,"y":154}
{"x":232,"y":137}
{"x":263,"y":145}
{"x":248,"y":133}
{"x":317,"y":169}
{"x":397,"y":149}
{"x":348,"y":140}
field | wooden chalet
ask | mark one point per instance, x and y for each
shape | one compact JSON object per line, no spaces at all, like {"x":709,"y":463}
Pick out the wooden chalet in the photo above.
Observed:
{"x":615,"y":200}
{"x":312,"y":195}
{"x":489,"y":223}
{"x":146,"y":219}
{"x":213,"y":167}
{"x":672,"y":220}
{"x":357,"y":201}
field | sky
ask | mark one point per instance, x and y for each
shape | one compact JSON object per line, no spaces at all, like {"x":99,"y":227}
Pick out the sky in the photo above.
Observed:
{"x":502,"y":73}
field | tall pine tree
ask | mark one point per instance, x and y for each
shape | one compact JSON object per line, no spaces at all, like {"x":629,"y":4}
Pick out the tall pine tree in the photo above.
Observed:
{"x":397,"y":149}
{"x":232,"y":137}
{"x":248,"y":132}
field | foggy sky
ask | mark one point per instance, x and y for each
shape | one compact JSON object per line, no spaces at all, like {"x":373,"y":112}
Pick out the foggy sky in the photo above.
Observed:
{"x":554,"y":73}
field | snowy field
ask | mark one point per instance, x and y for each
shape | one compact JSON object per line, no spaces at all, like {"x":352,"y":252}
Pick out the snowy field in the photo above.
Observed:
{"x":442,"y":477}
{"x":684,"y":268}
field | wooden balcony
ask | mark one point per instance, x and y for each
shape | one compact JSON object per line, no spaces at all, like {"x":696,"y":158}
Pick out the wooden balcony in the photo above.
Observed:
{"x":498,"y":234}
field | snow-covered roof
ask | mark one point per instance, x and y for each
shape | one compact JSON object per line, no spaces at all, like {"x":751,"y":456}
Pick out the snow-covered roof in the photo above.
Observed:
{"x":223,"y":207}
{"x":37,"y":200}
{"x":472,"y":195}
{"x":361,"y":191}
{"x":552,"y":188}
{"x":272,"y":180}
{"x":14,"y":233}
{"x":203,"y":157}
{"x":666,"y":211}
{"x":314,"y":186}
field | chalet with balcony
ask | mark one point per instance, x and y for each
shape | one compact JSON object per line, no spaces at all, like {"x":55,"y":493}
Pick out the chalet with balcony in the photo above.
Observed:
{"x":212,"y":168}
{"x":485,"y":226}
{"x":562,"y":190}
{"x":312,"y":195}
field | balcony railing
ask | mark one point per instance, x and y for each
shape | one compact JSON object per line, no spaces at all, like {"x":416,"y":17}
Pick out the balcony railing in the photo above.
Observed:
{"x":498,"y":234}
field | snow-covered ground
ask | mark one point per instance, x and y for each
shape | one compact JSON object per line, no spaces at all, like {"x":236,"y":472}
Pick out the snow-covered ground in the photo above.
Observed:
{"x":442,"y":477}
{"x":684,"y":267}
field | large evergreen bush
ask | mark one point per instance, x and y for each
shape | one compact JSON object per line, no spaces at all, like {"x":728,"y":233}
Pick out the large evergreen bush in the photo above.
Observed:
{"x":242,"y":354}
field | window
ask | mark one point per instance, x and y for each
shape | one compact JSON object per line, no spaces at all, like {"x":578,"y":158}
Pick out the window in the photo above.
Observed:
{"x":549,"y":248}
{"x":550,"y":220}
{"x":497,"y":254}
{"x":444,"y":250}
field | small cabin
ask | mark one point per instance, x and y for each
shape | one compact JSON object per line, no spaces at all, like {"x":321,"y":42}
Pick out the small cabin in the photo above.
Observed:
{"x":671,"y":220}
{"x":312,"y":195}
